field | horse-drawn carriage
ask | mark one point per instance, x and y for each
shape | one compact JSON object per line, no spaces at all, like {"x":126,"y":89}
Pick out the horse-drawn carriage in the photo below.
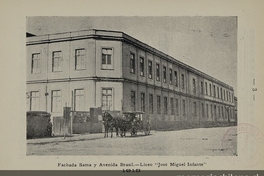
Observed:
{"x":130,"y":121}
{"x":139,"y":122}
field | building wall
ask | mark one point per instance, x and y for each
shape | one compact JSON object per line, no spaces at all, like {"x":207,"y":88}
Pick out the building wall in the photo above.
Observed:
{"x":93,"y":78}
{"x":193,"y":95}
{"x":70,"y":78}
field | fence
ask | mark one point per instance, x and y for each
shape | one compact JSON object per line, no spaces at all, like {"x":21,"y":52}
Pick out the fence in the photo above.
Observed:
{"x":79,"y":122}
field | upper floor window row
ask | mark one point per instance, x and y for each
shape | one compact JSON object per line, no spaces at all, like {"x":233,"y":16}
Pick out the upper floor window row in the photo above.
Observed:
{"x":218,"y":92}
{"x":79,"y":60}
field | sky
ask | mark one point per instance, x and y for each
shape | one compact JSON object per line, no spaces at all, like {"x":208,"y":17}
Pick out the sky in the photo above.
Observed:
{"x":208,"y":44}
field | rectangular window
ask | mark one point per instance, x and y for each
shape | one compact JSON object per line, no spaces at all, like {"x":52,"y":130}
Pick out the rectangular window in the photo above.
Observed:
{"x":222,"y":112}
{"x":194,"y":109}
{"x":142,"y":100}
{"x":212,"y":115}
{"x":172,"y":107}
{"x":164,"y":74}
{"x":219,"y":112}
{"x":215,"y":111}
{"x":229,"y":97}
{"x":133,"y":100}
{"x":183,"y":108}
{"x":151,"y":108}
{"x":221,"y":93}
{"x":150,"y":69}
{"x":177,"y":107}
{"x":165,"y":105}
{"x":176,"y":78}
{"x":132,"y":63}
{"x":157,"y":72}
{"x":201,"y":87}
{"x":207,"y":111}
{"x":107,"y":58}
{"x":34,"y":101}
{"x":214,"y":91}
{"x":158,"y":105}
{"x":218,"y":92}
{"x":35,"y":63}
{"x":226,"y":96}
{"x":79,"y":99}
{"x":79,"y":59}
{"x":56,"y":101}
{"x":202,"y":110}
{"x":210,"y":89}
{"x":57,"y":61}
{"x":170,"y":76}
{"x":206,"y":92}
{"x":142,"y":65}
{"x":182,"y":81}
{"x":107,"y":99}
{"x":194,"y":86}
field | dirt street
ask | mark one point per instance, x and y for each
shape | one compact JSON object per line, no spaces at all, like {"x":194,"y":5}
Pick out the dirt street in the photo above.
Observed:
{"x":192,"y":142}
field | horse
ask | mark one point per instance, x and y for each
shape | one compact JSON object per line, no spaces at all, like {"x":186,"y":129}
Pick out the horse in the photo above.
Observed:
{"x":124,"y":124}
{"x":109,"y":123}
{"x":119,"y":123}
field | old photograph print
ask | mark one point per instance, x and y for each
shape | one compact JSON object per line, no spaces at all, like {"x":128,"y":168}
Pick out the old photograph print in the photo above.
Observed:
{"x":154,"y":86}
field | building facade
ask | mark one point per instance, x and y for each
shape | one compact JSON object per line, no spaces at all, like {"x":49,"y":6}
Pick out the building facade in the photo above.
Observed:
{"x":112,"y":70}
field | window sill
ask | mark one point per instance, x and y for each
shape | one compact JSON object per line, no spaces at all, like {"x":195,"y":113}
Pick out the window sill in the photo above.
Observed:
{"x":107,"y":69}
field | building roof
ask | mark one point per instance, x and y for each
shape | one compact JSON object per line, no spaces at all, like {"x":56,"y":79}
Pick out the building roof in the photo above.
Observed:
{"x":29,"y":34}
{"x":115,"y":35}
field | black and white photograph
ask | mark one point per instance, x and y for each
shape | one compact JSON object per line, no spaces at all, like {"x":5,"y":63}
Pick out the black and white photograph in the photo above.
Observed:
{"x":132,"y":86}
{"x":155,"y":86}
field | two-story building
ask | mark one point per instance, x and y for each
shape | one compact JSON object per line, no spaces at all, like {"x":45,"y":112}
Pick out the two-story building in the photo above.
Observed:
{"x":112,"y":70}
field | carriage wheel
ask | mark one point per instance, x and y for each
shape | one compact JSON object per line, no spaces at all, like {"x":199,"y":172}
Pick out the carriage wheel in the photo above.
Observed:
{"x":147,"y":129}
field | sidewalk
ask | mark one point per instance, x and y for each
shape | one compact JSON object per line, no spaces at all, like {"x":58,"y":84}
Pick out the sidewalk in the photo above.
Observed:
{"x":73,"y":137}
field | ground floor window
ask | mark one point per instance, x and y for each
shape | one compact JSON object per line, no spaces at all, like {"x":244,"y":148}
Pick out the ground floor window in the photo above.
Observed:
{"x":56,"y":101}
{"x":151,"y":109}
{"x":222,"y":112}
{"x":212,"y":115}
{"x":172,"y":107}
{"x":207,"y":111}
{"x":194,"y":109}
{"x":177,"y":106}
{"x":183,"y":108}
{"x":133,"y":100}
{"x":158,"y":105}
{"x":219,"y":112}
{"x":79,"y":99}
{"x":215,"y":111}
{"x":202,"y":110}
{"x":107,"y":99}
{"x":142,"y":100}
{"x":165,"y":105}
